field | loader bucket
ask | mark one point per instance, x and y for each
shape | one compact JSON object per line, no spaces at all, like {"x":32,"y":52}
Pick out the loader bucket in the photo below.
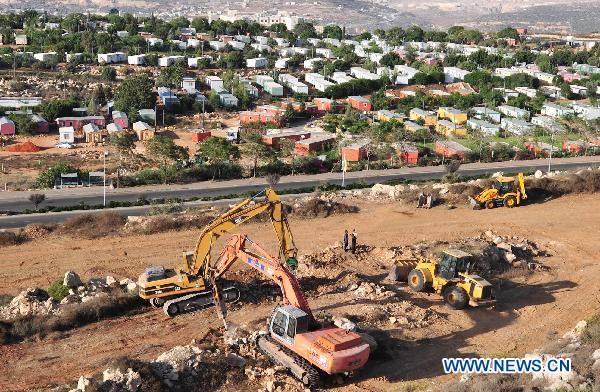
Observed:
{"x":474,"y":203}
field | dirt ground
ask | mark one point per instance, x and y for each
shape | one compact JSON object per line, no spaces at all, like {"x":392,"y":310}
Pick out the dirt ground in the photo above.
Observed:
{"x":531,"y":307}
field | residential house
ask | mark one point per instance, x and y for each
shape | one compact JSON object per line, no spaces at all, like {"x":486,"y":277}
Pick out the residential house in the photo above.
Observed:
{"x":262,"y":80}
{"x":529,"y":92}
{"x":314,"y":144}
{"x":236,"y":45}
{"x":453,"y":74}
{"x":112,"y":58}
{"x":341,"y":77}
{"x":324,"y":52}
{"x":587,"y":112}
{"x":167,"y":61}
{"x":405,"y":74}
{"x":45,"y":57}
{"x":282,"y":63}
{"x":574,"y":146}
{"x":413,"y":126}
{"x":167,"y":97}
{"x":41,"y":125}
{"x":293,"y":84}
{"x":311,"y":63}
{"x":484,"y":126}
{"x":387,"y":115}
{"x":143,"y":131}
{"x":516,"y":126}
{"x":540,"y":148}
{"x":512,"y":111}
{"x":484,"y":113}
{"x":79,"y":122}
{"x":114,"y":128}
{"x":227,"y":99}
{"x":7,"y":127}
{"x":92,"y":133}
{"x":147,"y":115}
{"x":361,"y":73}
{"x":429,"y":118}
{"x":20,"y":39}
{"x":554,"y":110}
{"x":274,"y":138}
{"x":153,"y":41}
{"x":259,"y":62}
{"x":454,"y":115}
{"x":356,"y":151}
{"x":217,"y":45}
{"x":408,"y":153}
{"x":189,"y":84}
{"x":359,"y":103}
{"x":120,"y":118}
{"x":449,"y":128}
{"x":545,"y":122}
{"x":326,"y":104}
{"x":66,"y":135}
{"x":139,"y":59}
{"x":214,"y":82}
{"x":318,"y":81}
{"x":451,"y":149}
{"x":273,"y":88}
{"x":579,"y":90}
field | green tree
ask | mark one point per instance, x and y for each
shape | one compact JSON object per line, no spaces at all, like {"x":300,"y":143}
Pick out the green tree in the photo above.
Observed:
{"x":215,"y":151}
{"x":256,"y":150}
{"x":133,"y":94}
{"x":165,"y":151}
{"x":109,"y":74}
{"x":23,"y":124}
{"x":123,"y":148}
{"x":48,"y":177}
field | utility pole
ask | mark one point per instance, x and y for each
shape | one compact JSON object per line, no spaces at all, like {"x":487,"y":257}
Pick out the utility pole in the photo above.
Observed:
{"x":104,"y":180}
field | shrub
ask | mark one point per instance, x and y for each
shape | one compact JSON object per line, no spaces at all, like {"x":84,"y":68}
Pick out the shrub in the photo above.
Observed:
{"x":591,"y":333}
{"x":93,"y":225}
{"x":47,"y":178}
{"x":58,"y":290}
{"x":8,"y":238}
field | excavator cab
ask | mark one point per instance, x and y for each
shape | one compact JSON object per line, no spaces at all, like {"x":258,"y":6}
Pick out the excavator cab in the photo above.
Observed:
{"x":287,"y":321}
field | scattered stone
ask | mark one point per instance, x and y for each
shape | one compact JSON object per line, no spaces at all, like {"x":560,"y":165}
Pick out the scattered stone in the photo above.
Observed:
{"x":32,"y":301}
{"x":72,"y":280}
{"x":344,"y":323}
{"x":538,"y":174}
{"x":128,"y":381}
{"x":235,"y":360}
{"x":110,"y":281}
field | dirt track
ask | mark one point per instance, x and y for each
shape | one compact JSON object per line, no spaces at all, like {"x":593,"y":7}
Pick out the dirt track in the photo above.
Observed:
{"x":531,"y":308}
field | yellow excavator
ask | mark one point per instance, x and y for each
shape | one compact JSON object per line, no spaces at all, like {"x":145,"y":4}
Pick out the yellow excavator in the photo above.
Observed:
{"x":190,"y":287}
{"x":506,"y":191}
{"x":451,"y":277}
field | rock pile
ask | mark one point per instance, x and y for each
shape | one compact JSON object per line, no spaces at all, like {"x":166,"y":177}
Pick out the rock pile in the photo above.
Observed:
{"x":37,"y":302}
{"x":368,"y":290}
{"x":32,"y":301}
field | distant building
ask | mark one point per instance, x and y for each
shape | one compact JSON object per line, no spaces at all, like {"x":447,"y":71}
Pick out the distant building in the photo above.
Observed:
{"x":359,"y":103}
{"x":7,"y":127}
{"x":429,"y":118}
{"x":451,"y":149}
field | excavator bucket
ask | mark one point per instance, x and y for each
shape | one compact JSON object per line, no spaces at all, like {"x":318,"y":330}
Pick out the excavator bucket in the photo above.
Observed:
{"x":474,"y":203}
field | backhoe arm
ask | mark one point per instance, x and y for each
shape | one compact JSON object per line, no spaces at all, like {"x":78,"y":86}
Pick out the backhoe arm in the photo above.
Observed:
{"x":197,"y":263}
{"x":260,"y":260}
{"x":521,"y":181}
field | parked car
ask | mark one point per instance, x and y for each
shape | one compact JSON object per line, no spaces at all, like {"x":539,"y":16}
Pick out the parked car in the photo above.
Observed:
{"x":64,"y":145}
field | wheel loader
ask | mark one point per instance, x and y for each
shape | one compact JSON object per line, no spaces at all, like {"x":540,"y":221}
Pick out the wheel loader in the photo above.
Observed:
{"x":450,"y":277}
{"x":506,"y":191}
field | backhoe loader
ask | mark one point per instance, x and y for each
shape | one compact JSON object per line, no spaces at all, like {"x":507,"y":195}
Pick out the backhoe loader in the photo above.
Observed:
{"x":189,"y":286}
{"x":451,"y":277}
{"x":296,"y":339}
{"x":506,"y":191}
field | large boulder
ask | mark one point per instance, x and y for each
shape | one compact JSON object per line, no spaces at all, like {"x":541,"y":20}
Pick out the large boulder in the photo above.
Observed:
{"x":171,"y":363}
{"x":72,"y":279}
{"x":129,"y":380}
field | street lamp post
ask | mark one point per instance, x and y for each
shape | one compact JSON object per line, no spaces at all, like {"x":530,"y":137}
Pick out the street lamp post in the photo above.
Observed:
{"x":104,"y":179}
{"x":551,"y":148}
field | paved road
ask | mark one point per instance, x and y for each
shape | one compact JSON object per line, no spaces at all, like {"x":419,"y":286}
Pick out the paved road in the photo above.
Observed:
{"x":17,"y":201}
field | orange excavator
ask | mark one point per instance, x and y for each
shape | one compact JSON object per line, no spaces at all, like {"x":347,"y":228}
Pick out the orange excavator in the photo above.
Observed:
{"x":296,"y":339}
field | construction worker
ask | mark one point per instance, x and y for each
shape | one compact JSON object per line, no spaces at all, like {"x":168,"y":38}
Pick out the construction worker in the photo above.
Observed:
{"x":354,"y":235}
{"x":345,"y":241}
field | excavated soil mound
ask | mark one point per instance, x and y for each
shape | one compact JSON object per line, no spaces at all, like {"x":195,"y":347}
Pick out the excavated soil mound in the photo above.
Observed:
{"x":587,"y":181}
{"x":28,"y":146}
{"x":323,"y":208}
{"x":93,"y":225}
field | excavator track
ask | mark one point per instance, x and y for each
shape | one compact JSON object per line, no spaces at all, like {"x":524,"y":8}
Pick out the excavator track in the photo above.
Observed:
{"x":199,"y":301}
{"x":298,"y":366}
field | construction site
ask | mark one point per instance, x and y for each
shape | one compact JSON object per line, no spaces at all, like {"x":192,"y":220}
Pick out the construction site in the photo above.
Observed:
{"x":348,"y":290}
